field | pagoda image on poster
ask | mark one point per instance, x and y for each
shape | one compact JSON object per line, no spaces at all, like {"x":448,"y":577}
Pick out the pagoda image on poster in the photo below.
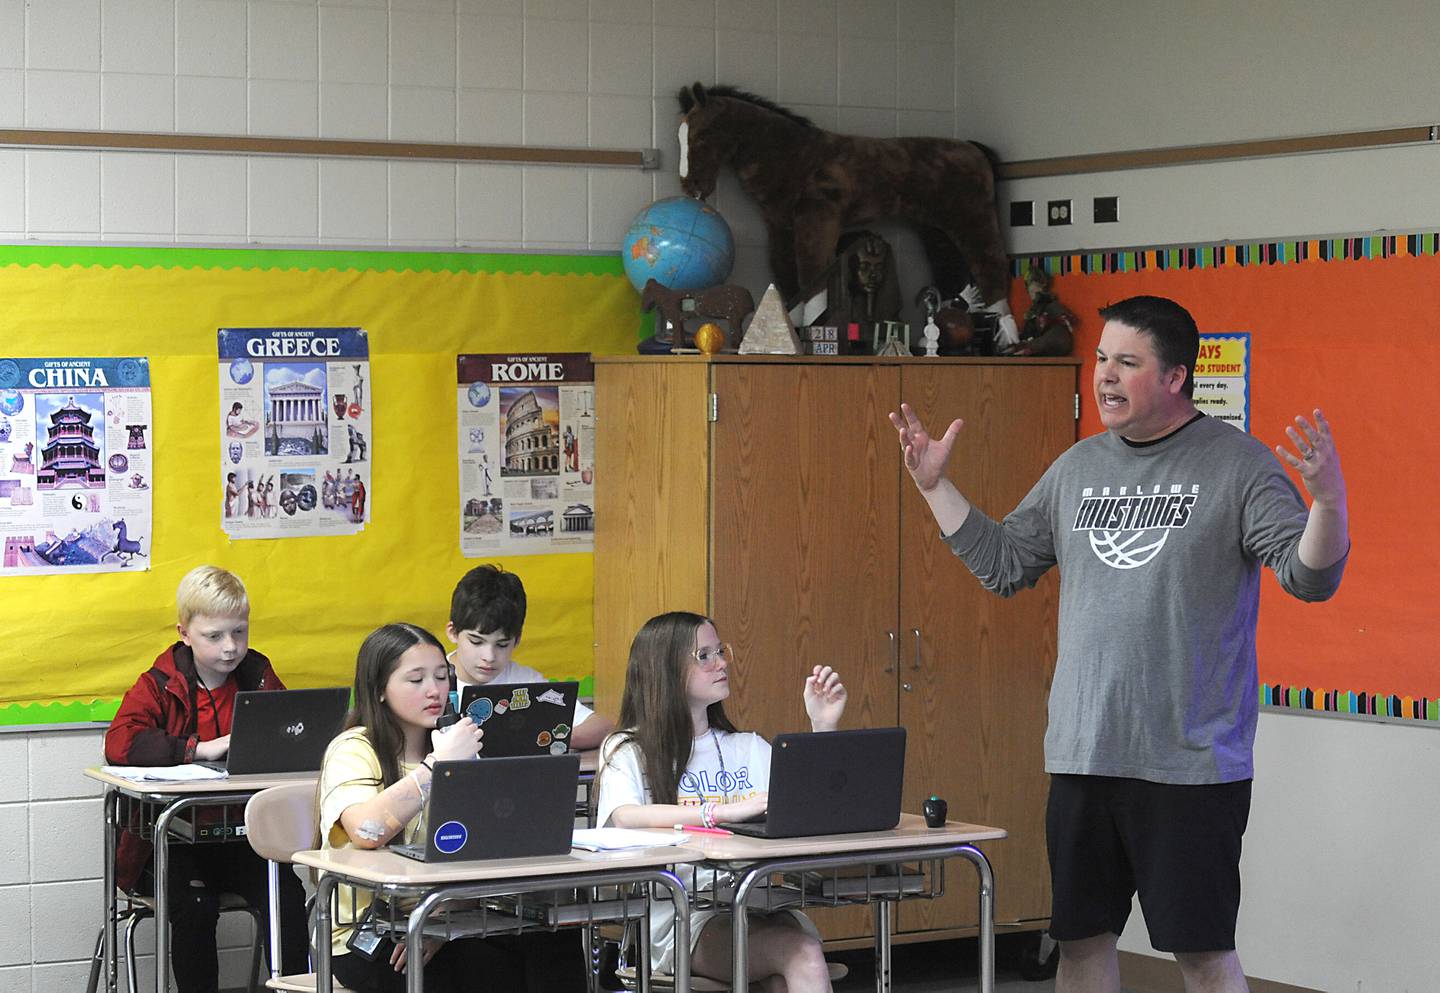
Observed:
{"x":295,"y":435}
{"x":527,"y":465}
{"x":75,"y":465}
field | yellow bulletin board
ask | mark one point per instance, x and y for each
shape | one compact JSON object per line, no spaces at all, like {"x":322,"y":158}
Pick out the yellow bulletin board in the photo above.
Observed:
{"x":73,"y":644}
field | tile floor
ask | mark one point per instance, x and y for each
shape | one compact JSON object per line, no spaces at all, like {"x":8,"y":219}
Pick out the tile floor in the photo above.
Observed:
{"x":941,"y":967}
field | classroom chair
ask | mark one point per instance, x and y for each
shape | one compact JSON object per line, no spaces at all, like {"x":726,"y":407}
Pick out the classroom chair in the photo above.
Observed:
{"x":279,"y":822}
{"x":132,"y":908}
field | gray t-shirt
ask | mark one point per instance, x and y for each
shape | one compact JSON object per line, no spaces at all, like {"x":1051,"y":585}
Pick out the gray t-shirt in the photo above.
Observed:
{"x":1160,"y":548}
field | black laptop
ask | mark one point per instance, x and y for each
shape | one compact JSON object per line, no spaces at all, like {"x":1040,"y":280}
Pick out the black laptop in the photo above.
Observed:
{"x":832,"y":782}
{"x":522,"y":718}
{"x":503,"y":808}
{"x":282,"y":730}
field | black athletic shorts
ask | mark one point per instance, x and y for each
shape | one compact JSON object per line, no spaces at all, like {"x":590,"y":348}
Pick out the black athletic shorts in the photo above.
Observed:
{"x":1179,"y":846}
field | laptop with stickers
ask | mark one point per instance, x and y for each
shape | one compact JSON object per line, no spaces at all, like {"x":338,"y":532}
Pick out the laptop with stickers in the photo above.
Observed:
{"x":832,"y":782}
{"x":282,"y":730}
{"x":522,"y":718}
{"x":504,"y":808}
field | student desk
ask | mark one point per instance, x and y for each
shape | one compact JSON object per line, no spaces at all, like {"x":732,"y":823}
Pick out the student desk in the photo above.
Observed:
{"x":432,"y":885}
{"x":754,"y":860}
{"x":159,"y":808}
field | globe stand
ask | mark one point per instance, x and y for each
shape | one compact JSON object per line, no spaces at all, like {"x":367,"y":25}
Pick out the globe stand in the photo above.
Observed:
{"x":654,"y":345}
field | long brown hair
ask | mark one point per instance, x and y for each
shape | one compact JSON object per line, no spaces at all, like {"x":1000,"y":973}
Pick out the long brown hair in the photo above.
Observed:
{"x":655,"y":710}
{"x":379,"y":655}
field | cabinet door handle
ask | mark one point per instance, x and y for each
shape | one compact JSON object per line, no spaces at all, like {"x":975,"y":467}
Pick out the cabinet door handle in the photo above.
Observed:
{"x":906,"y":687}
{"x":917,"y":648}
{"x":894,"y":652}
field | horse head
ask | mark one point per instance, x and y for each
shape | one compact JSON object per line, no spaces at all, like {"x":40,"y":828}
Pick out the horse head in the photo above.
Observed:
{"x":726,"y":125}
{"x":700,"y":154}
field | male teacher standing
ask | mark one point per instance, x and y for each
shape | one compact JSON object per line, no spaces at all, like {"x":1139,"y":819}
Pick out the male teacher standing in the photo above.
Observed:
{"x":1159,"y":526}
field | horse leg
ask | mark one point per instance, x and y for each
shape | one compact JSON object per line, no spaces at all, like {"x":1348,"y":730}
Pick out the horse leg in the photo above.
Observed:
{"x":781,"y":246}
{"x":817,"y":232}
{"x":975,"y":229}
{"x":948,"y":272}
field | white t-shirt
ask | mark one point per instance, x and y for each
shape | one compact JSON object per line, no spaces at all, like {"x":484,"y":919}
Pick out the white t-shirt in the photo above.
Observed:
{"x":724,"y":768}
{"x":514,"y":672}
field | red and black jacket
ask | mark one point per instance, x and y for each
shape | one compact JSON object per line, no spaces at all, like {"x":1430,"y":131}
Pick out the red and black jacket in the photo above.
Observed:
{"x":156,"y":725}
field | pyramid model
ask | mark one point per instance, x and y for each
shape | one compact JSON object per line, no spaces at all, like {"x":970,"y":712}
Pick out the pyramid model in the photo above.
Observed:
{"x":770,"y":331}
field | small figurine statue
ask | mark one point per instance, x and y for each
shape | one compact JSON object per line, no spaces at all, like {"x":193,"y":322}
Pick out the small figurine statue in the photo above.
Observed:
{"x":931,"y":335}
{"x":1048,"y":327}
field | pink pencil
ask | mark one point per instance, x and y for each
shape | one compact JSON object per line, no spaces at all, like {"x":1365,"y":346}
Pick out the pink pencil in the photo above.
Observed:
{"x":701,"y":830}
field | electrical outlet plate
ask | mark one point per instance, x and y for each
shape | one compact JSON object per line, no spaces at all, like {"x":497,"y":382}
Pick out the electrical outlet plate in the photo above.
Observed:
{"x":1058,"y":213}
{"x":1022,"y":213}
{"x":1107,"y":210}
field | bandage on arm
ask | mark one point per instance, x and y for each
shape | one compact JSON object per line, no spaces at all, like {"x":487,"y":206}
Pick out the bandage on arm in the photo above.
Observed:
{"x":375,"y":822}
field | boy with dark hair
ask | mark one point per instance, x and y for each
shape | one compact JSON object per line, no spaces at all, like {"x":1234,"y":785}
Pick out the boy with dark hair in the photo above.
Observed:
{"x":487,"y":616}
{"x":178,"y":711}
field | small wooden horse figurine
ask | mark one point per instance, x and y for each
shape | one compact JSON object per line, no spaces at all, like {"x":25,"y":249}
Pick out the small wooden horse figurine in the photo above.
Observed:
{"x":731,"y":304}
{"x":811,"y":184}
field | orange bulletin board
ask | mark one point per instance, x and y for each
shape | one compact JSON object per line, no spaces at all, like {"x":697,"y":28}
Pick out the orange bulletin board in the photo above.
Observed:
{"x":1345,"y":325}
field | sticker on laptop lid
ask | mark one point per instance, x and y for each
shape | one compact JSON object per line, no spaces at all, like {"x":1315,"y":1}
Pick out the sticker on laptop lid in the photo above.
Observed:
{"x":520,"y":698}
{"x":480,"y":710}
{"x":558,"y":748}
{"x":543,"y":739}
{"x":561,"y":731}
{"x":501,"y":706}
{"x":450,"y":837}
{"x":552,"y":696}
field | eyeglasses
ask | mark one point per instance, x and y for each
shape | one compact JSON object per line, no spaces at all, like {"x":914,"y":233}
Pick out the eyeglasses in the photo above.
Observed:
{"x":709,"y":659}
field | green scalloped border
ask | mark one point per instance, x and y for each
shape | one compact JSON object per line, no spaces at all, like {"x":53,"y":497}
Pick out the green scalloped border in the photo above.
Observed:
{"x":161,"y":257}
{"x":73,"y":712}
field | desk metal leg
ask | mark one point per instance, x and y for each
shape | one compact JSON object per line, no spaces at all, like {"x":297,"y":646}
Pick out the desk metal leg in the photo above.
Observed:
{"x":986,"y":937}
{"x":884,"y":910}
{"x":162,"y":897}
{"x":162,"y":875}
{"x":324,"y":932}
{"x":110,"y":966}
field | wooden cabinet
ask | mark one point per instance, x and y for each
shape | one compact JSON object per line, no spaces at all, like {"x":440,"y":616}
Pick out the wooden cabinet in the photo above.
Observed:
{"x":769,"y":494}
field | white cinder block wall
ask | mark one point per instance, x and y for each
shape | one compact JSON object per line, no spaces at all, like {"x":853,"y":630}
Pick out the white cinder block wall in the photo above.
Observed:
{"x":601,"y":73}
{"x":542,"y":72}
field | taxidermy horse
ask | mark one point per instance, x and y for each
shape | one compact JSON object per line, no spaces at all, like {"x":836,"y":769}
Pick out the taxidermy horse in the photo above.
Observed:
{"x":811,"y":184}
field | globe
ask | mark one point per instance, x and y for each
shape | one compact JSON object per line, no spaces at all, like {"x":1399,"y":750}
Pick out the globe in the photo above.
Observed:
{"x":479,"y":394}
{"x":12,"y":402}
{"x":681,"y":243}
{"x":242,"y":370}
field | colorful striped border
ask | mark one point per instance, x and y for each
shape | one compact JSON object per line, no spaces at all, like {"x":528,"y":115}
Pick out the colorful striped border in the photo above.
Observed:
{"x":1240,"y":254}
{"x":1356,"y":704}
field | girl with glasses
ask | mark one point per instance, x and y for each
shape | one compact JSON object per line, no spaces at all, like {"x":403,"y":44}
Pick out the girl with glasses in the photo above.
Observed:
{"x":678,"y":760}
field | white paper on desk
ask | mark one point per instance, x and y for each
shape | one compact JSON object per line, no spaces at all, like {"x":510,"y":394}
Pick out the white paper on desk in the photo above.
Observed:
{"x":165,"y":773}
{"x":615,"y":839}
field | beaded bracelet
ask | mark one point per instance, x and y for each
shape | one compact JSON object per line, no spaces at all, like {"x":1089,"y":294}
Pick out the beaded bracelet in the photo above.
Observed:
{"x":707,"y":814}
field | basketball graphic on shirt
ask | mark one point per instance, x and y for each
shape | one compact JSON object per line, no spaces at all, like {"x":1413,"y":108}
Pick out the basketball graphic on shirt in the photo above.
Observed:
{"x":1126,"y":549}
{"x":1128,"y":525}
